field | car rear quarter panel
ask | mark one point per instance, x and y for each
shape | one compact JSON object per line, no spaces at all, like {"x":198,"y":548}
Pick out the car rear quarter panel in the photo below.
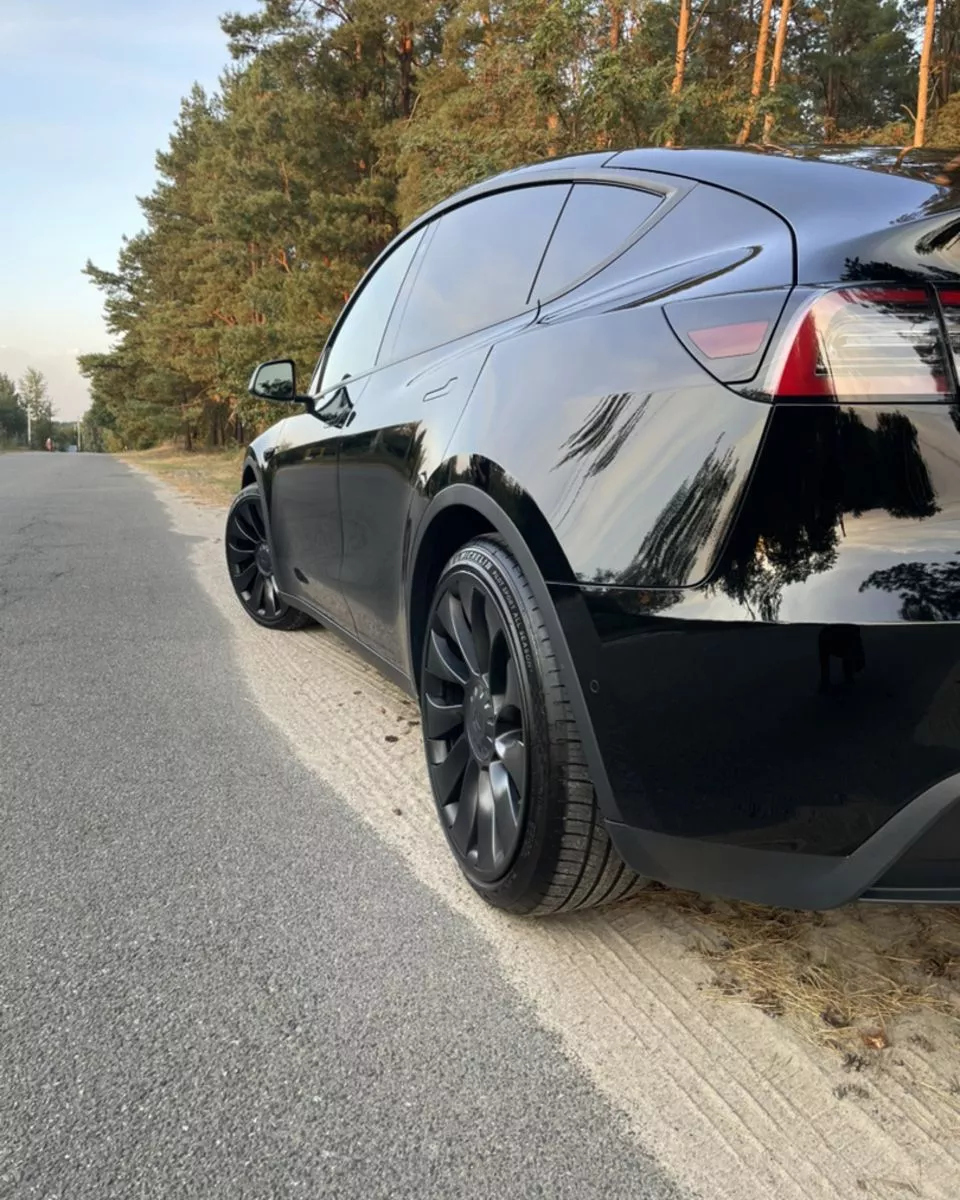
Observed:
{"x":632,"y":454}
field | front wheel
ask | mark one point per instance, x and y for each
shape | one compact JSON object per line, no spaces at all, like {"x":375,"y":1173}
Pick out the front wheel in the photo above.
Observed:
{"x":504,"y":758}
{"x":250,"y":564}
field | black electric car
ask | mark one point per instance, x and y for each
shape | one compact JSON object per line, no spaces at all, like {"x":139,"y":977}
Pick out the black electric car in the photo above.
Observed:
{"x":642,"y":472}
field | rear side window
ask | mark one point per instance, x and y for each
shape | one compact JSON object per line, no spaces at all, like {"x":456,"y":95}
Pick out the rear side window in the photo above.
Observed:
{"x":596,"y":221}
{"x":477,"y":268}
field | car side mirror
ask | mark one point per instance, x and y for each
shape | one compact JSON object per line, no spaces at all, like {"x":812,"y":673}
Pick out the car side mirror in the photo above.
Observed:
{"x":276,"y":380}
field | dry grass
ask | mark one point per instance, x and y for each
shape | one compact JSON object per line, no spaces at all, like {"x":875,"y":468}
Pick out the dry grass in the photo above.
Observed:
{"x":211,"y":476}
{"x":855,"y":978}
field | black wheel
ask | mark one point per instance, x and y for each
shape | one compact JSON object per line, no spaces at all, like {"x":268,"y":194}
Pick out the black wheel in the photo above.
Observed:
{"x":505,"y":762}
{"x":251,"y":567}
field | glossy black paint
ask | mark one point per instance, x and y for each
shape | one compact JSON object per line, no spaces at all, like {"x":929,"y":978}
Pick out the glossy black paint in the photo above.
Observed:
{"x":757,"y":607}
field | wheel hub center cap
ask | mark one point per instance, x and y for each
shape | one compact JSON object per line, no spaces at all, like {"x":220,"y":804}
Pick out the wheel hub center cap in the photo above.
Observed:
{"x":479,"y":721}
{"x":264,"y":564}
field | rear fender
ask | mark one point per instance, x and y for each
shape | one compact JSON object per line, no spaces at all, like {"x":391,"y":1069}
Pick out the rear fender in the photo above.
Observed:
{"x":633,"y":456}
{"x":484,"y":488}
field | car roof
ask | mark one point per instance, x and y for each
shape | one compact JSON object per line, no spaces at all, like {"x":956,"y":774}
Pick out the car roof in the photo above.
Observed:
{"x":879,"y":182}
{"x":833,"y":197}
{"x":783,"y":177}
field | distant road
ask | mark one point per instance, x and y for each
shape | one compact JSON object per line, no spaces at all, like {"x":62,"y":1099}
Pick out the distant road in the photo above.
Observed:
{"x":215,"y":980}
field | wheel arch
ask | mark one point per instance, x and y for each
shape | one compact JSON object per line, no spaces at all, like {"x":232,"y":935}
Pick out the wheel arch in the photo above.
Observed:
{"x":253,"y":474}
{"x":458,"y":511}
{"x":250,"y":472}
{"x":456,"y":514}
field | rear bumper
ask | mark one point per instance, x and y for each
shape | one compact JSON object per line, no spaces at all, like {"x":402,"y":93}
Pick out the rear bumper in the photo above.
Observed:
{"x":928,"y":870}
{"x":914,"y":858}
{"x":788,"y":732}
{"x":730,"y":765}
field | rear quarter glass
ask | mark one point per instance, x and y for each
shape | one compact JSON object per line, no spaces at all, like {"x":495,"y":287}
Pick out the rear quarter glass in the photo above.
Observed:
{"x":708,"y":243}
{"x":597,"y":220}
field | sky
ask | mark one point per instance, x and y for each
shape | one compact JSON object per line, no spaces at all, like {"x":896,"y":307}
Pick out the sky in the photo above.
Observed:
{"x":89,"y":91}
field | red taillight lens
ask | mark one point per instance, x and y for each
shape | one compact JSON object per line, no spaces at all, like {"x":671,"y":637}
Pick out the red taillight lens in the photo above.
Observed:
{"x":950,"y":303}
{"x":854,"y":344}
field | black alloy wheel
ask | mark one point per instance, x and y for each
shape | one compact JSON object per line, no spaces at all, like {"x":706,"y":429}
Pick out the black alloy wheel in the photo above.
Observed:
{"x":250,"y":564}
{"x":504,"y":759}
{"x":473,"y":719}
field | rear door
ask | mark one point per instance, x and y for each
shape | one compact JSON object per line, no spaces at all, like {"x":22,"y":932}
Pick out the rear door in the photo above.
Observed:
{"x":305,"y":499}
{"x":469,"y":287}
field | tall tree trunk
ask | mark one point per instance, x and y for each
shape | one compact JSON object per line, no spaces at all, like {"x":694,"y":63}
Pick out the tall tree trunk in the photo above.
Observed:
{"x":923,"y":91}
{"x":680,"y":62}
{"x":760,"y":58}
{"x":683,"y":32}
{"x":405,"y":55}
{"x":553,"y":122}
{"x":947,"y":41}
{"x":777,"y":61}
{"x":616,"y":23}
{"x":832,"y":106}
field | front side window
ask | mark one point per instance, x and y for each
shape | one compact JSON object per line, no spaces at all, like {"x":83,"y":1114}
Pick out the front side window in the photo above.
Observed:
{"x":356,"y":343}
{"x":477,"y":268}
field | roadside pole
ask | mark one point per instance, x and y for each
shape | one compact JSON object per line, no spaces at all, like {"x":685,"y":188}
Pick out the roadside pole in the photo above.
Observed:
{"x":29,"y":429}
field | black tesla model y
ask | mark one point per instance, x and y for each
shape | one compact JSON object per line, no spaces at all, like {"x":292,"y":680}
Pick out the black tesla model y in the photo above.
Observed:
{"x":642,"y":472}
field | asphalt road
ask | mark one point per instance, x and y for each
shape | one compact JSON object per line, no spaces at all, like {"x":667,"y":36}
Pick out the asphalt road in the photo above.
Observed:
{"x":214,"y":980}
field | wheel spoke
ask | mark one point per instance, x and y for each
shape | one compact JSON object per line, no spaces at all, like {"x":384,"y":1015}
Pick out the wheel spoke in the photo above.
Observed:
{"x":256,"y":519}
{"x":454,"y":621}
{"x":509,"y":698}
{"x":512,"y":753}
{"x":488,"y":846}
{"x":448,"y":772}
{"x":245,"y":577}
{"x":440,"y":718}
{"x":462,"y":829}
{"x":475,"y":604}
{"x":443,"y":663}
{"x":504,"y":809}
{"x":239,"y":543}
{"x":269,"y":597}
{"x":244,"y":525}
{"x":256,"y":595}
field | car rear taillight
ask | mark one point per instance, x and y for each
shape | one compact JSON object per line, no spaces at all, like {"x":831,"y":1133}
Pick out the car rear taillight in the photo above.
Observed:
{"x":855,"y":344}
{"x":728,"y":335}
{"x":950,"y":303}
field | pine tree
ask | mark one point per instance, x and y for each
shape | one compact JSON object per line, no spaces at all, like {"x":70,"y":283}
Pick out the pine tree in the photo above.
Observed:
{"x":923,"y":89}
{"x":763,"y":38}
{"x":338,"y":121}
{"x":776,"y":63}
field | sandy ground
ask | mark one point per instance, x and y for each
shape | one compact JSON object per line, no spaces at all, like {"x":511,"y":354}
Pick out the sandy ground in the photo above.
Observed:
{"x":738,"y":1100}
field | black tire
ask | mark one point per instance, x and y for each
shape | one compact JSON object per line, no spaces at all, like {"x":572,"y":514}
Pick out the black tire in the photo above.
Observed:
{"x":250,"y":565}
{"x":504,"y":757}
